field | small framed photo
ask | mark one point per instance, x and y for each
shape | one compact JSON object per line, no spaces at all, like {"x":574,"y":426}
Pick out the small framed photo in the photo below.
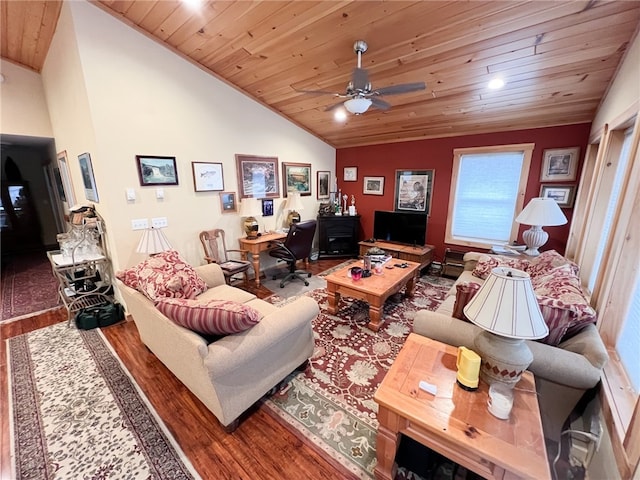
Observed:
{"x":373,"y":185}
{"x":324,"y":180}
{"x":88,"y":178}
{"x":297,"y":178}
{"x":559,"y":164}
{"x":564,"y":195}
{"x":267,"y":207}
{"x":228,"y":203}
{"x":65,"y":178}
{"x":155,"y":170}
{"x":207,"y":177}
{"x":350,"y":174}
{"x":257,"y":176}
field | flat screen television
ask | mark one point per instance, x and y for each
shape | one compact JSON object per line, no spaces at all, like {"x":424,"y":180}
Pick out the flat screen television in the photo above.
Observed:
{"x":400,"y":227}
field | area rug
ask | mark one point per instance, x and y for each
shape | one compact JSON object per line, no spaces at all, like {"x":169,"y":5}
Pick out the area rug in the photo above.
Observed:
{"x":331,"y":404}
{"x":77,"y":413}
{"x":294,"y":288}
{"x":28,"y":286}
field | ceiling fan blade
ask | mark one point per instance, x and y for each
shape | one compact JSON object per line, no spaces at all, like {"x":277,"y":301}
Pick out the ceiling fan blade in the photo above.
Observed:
{"x":319,"y":92}
{"x":379,"y":103}
{"x":334,"y":106}
{"x":403,"y":88}
{"x":360,"y":79}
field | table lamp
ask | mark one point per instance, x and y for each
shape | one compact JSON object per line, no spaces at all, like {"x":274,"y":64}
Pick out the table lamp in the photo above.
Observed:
{"x":250,"y":209}
{"x":153,"y":241}
{"x":293,"y":203}
{"x":539,"y":212}
{"x":507,"y":311}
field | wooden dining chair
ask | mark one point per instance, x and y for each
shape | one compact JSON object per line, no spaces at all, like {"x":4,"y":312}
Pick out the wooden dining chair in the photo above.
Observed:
{"x":215,"y":251}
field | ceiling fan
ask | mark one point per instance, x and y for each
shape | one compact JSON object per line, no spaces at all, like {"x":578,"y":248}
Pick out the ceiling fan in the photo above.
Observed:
{"x":359,"y":92}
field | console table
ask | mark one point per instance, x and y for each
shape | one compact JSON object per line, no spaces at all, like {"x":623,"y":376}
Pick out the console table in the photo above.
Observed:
{"x":422,"y":255}
{"x":338,"y":235}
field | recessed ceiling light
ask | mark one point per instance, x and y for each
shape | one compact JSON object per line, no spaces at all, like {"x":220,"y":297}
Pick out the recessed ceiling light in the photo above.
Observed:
{"x":340,"y":115}
{"x":496,"y":83}
{"x":193,"y":4}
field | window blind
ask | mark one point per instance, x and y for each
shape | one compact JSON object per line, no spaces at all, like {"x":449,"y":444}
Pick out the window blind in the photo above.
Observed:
{"x":627,"y":344}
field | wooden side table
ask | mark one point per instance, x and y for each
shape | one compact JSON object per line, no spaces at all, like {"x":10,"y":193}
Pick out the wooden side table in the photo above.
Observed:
{"x":455,"y":422}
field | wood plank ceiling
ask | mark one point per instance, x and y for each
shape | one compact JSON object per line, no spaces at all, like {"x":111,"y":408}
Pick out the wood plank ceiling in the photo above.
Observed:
{"x":556,"y":57}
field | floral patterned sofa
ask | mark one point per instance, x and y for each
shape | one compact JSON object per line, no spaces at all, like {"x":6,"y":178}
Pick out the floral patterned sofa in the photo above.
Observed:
{"x":567,"y":362}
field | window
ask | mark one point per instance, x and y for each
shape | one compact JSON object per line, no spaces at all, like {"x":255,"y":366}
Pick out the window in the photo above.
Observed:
{"x":487,"y":190}
{"x":627,"y":344}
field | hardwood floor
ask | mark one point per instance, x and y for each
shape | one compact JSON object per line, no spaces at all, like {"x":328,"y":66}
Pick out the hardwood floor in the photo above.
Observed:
{"x":261,"y":447}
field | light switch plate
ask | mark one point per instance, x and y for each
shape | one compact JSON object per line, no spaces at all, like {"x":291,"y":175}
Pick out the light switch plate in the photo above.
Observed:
{"x":131,"y":194}
{"x":159,"y":193}
{"x":139,"y":224}
{"x":159,"y":222}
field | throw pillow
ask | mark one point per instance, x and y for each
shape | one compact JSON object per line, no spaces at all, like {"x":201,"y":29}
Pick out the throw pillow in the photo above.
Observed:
{"x":164,"y":275}
{"x":486,"y":263}
{"x":465,"y":291}
{"x":213,"y":317}
{"x":547,"y":262}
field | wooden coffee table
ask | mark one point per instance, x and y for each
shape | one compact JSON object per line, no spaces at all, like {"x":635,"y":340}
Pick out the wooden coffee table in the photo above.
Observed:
{"x":455,"y":422}
{"x":374,"y":289}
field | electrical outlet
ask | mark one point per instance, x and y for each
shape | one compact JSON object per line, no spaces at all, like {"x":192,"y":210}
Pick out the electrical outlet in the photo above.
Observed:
{"x":139,"y":224}
{"x":159,"y":222}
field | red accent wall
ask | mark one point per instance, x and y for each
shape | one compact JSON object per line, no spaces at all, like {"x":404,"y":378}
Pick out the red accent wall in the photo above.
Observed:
{"x":437,"y":154}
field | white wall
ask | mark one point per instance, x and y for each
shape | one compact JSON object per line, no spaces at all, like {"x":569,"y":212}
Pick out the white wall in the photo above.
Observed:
{"x":23,"y":110}
{"x":142,"y":99}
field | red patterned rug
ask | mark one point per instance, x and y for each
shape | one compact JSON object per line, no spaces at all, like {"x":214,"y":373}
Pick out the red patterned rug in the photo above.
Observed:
{"x":28,"y":286}
{"x":331,"y":405}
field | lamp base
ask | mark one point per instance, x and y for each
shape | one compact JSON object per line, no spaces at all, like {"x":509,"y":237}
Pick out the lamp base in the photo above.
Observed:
{"x":534,"y":238}
{"x":504,"y":359}
{"x":251,"y":227}
{"x":293,"y":217}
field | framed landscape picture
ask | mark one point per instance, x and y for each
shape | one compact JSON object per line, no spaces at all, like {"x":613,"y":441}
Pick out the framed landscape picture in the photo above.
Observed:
{"x":88,"y":178}
{"x":559,"y":164}
{"x":207,"y":177}
{"x":324,"y":180}
{"x":296,"y":178}
{"x":413,"y":190}
{"x":564,"y":195}
{"x":373,"y":186}
{"x":257,"y":176}
{"x":155,"y":170}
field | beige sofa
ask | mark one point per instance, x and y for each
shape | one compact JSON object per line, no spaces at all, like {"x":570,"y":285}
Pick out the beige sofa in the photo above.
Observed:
{"x":563,"y":373}
{"x":232,"y":373}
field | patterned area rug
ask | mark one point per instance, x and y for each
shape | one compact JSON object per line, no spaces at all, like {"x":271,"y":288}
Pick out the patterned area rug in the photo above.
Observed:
{"x":82,"y":415}
{"x":331,"y":404}
{"x":28,"y":286}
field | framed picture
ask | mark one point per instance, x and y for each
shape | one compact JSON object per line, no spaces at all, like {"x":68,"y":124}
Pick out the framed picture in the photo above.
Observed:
{"x":228,"y":203}
{"x":564,"y":195}
{"x":88,"y":178}
{"x":413,"y":190}
{"x":559,"y":164}
{"x":65,"y":178}
{"x":257,"y":176}
{"x":267,"y":207}
{"x":350,"y":174}
{"x":373,"y":185}
{"x":154,"y":170}
{"x":296,"y":178}
{"x":207,"y":177}
{"x":324,"y":180}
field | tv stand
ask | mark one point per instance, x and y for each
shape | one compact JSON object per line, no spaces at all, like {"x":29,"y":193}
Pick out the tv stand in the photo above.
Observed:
{"x":419,"y":254}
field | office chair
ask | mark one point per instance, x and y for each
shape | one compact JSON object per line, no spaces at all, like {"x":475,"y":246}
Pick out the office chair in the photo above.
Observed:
{"x":215,"y":251}
{"x":297,"y":246}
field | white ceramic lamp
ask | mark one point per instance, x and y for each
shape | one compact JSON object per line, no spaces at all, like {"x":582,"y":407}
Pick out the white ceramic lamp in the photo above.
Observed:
{"x":507,"y":311}
{"x":249,"y":209}
{"x":539,"y":212}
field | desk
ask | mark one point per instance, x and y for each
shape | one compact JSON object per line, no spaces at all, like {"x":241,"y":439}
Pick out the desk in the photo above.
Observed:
{"x":257,"y":245}
{"x":454,"y":422}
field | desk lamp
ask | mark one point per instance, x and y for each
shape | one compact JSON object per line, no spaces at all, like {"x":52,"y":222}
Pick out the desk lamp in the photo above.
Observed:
{"x":293,"y":204}
{"x":539,"y":212}
{"x":507,"y":311}
{"x":250,"y":208}
{"x":153,"y":241}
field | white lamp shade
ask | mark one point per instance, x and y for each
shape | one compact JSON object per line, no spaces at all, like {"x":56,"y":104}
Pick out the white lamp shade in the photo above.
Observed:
{"x":543,"y":212}
{"x":153,"y":241}
{"x":294,"y":202}
{"x":506,"y":305}
{"x":250,"y":207}
{"x":357,"y":105}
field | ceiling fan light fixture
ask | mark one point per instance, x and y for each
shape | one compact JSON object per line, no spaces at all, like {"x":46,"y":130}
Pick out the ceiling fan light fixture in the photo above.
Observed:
{"x":357,"y":105}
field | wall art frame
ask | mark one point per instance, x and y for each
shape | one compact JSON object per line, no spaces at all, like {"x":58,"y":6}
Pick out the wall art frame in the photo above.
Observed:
{"x":267,"y":207}
{"x":413,"y":190}
{"x":564,"y":195}
{"x":559,"y":164}
{"x":296,"y":177}
{"x":228,"y":202}
{"x":323,"y":183}
{"x":156,"y":170}
{"x":257,"y":176}
{"x":88,"y":178}
{"x":65,"y":178}
{"x":207,"y":176}
{"x":373,"y":186}
{"x":350,"y":174}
